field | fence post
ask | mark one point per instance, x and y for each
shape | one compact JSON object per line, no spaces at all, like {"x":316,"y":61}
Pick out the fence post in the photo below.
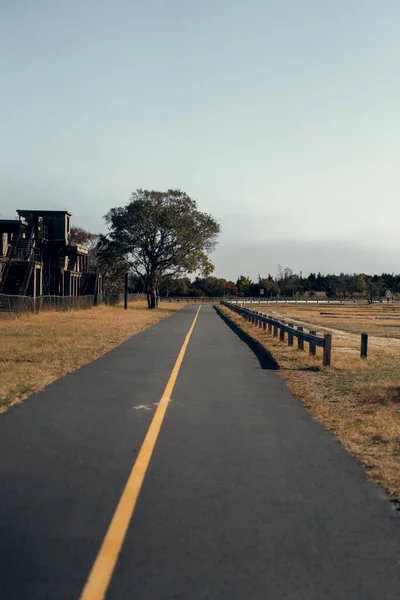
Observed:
{"x":264,"y":325}
{"x":282,"y":332}
{"x":364,"y":345}
{"x":269,"y":326}
{"x":327,"y":350}
{"x":275,"y":330}
{"x":290,"y":335}
{"x":300,"y":341}
{"x":126,"y":292}
{"x":313,"y":348}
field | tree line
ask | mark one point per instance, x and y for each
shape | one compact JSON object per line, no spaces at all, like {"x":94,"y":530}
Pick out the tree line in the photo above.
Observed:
{"x":285,"y":284}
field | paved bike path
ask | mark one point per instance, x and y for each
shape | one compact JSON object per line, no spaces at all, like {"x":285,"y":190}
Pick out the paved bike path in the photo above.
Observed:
{"x":246,"y":496}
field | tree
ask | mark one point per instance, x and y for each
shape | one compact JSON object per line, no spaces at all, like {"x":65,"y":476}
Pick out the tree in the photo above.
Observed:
{"x":111,"y":264}
{"x":288,"y":282}
{"x":173,"y":286}
{"x":243,"y":285}
{"x":375,"y":289}
{"x":81,"y":236}
{"x":88,"y":239}
{"x":103,"y":258}
{"x":231,"y":288}
{"x":269,"y":286}
{"x":162,"y":234}
{"x":210,"y":286}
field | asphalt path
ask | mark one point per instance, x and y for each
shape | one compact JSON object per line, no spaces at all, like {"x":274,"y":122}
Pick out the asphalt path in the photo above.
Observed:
{"x":246,"y":496}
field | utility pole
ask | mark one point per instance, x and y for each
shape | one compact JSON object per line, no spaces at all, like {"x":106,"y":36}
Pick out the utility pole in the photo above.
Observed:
{"x":126,"y":292}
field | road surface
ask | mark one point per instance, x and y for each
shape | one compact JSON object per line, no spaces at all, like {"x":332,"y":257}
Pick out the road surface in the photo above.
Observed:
{"x":245,"y":497}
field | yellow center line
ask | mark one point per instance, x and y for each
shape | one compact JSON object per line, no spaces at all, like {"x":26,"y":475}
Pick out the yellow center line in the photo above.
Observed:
{"x":104,"y":565}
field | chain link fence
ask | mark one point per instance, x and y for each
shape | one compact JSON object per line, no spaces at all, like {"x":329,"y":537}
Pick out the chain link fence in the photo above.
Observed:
{"x":27,"y":304}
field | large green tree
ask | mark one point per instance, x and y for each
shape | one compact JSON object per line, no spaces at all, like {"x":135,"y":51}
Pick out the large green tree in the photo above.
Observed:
{"x":162,"y":234}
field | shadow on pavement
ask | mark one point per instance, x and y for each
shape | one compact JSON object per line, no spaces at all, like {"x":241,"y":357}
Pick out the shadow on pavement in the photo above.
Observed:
{"x":264,"y":357}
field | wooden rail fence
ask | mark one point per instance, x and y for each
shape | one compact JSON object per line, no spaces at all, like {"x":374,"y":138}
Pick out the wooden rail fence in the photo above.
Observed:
{"x":280,"y":328}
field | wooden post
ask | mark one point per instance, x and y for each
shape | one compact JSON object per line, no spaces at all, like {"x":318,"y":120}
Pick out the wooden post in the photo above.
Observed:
{"x":126,"y":292}
{"x":269,"y":326}
{"x":282,"y":332}
{"x":275,"y":330}
{"x":313,"y":347}
{"x":364,"y":345}
{"x":300,"y":342}
{"x":264,"y":325}
{"x":327,"y":350}
{"x":290,"y":335}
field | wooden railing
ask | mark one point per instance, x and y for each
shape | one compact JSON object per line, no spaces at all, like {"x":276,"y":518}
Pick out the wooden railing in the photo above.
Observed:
{"x":281,"y":328}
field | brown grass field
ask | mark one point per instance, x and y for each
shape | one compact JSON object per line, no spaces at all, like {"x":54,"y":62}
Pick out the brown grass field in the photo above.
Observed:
{"x":37,"y":349}
{"x":382,"y":320}
{"x":357,"y":399}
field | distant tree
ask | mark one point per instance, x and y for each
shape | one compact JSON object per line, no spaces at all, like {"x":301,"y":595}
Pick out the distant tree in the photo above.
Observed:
{"x":356,"y":284}
{"x":243,"y":285}
{"x":82,"y":236}
{"x":310,"y":284}
{"x":231,"y":289}
{"x":88,"y":239}
{"x":329,"y":284}
{"x":112,"y":265}
{"x":174,"y":286}
{"x":375,"y":289}
{"x":195,"y":292}
{"x":210,"y":286}
{"x":160,"y":234}
{"x":288,"y":282}
{"x":270,"y":287}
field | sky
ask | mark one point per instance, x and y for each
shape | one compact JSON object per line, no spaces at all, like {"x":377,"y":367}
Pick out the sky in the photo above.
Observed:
{"x":280,"y":117}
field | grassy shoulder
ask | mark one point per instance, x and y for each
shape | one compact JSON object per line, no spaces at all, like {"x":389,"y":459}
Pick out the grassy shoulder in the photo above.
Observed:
{"x":37,"y":349}
{"x":357,"y":400}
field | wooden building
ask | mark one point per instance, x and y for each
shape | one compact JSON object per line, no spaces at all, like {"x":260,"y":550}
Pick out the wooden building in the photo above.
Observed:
{"x":37,"y":256}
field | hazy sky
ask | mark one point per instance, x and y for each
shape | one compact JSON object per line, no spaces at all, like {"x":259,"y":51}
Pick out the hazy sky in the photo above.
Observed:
{"x":281,"y":117}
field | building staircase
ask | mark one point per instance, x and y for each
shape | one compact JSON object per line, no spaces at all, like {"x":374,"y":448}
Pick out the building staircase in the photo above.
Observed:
{"x":18,"y":265}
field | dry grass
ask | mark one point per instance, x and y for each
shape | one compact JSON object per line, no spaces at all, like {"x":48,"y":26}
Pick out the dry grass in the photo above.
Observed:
{"x":357,"y":400}
{"x":37,"y":349}
{"x":382,"y":320}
